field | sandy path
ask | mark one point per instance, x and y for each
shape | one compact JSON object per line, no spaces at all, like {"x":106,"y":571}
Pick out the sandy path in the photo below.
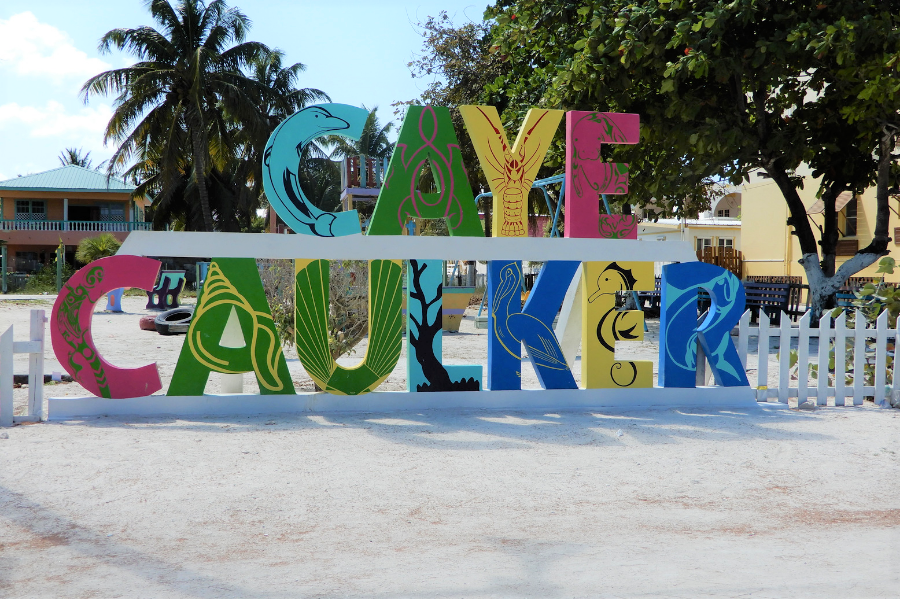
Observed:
{"x":767,"y":503}
{"x":671,"y":503}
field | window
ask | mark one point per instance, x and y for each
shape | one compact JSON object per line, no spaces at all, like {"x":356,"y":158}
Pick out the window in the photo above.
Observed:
{"x":723,"y":213}
{"x":726,"y":242}
{"x":112,"y":212}
{"x":850,"y":211}
{"x":31,"y":210}
{"x":27,"y":262}
{"x":703,"y":242}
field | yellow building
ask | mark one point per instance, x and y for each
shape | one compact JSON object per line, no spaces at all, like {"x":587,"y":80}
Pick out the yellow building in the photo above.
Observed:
{"x":768,"y":246}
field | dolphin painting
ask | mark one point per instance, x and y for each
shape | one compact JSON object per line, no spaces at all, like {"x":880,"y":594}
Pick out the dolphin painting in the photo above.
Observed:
{"x":281,"y":160}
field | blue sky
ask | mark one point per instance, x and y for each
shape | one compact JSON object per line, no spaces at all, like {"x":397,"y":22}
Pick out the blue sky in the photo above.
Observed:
{"x":355,"y":51}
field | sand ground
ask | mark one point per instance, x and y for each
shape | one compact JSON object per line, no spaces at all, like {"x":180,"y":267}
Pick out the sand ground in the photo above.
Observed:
{"x":762,"y":502}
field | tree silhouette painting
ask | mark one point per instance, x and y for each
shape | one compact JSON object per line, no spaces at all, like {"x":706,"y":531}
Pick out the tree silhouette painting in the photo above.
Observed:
{"x":422,"y":339}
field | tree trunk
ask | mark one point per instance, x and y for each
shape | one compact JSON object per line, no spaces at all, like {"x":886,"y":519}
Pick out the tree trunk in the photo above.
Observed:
{"x":822,"y":286}
{"x":200,"y":176}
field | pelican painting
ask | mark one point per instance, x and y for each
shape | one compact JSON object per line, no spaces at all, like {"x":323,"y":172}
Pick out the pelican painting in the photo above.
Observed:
{"x":281,"y":160}
{"x":512,"y":326}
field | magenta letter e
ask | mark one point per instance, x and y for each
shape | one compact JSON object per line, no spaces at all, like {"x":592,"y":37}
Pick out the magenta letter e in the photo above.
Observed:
{"x":588,"y":176}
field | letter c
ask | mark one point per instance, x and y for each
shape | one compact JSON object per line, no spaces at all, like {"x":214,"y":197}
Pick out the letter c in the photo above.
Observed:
{"x":70,"y":327}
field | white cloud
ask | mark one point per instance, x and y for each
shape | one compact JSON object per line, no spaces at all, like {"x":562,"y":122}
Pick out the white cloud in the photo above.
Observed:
{"x":29,"y":47}
{"x":53,"y":120}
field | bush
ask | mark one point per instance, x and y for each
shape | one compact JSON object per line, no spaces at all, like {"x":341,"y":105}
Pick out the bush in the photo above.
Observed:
{"x":45,"y":279}
{"x":348,"y":320}
{"x":94,"y":248}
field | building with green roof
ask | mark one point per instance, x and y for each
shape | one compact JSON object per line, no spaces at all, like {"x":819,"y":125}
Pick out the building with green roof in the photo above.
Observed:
{"x":64,"y":205}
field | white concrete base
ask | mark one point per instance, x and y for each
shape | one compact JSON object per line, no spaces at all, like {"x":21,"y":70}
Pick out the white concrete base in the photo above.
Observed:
{"x":65,"y":408}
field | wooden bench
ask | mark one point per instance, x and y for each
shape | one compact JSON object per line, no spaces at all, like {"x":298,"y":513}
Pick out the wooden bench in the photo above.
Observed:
{"x":771,"y":298}
{"x":651,"y":299}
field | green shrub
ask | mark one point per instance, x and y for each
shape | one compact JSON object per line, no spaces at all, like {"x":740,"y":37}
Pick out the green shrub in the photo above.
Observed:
{"x":94,"y":248}
{"x":45,"y":279}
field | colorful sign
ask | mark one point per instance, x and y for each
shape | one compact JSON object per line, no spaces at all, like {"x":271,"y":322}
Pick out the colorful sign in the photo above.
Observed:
{"x":233,"y":331}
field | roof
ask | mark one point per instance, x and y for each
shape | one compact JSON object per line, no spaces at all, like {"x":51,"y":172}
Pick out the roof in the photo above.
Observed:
{"x":839,"y":202}
{"x":696,"y":222}
{"x":67,"y":178}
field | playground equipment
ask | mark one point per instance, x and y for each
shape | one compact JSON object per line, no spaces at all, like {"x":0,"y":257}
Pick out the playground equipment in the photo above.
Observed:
{"x":165,"y":295}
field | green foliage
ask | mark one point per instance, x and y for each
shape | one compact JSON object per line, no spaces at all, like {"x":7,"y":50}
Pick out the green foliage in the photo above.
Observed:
{"x":320,"y":180}
{"x":193,"y":114}
{"x":44,"y":280}
{"x":874,"y":299}
{"x":77,"y":157}
{"x":374,"y":141}
{"x":348,"y":320}
{"x":723,"y":88}
{"x":94,"y":248}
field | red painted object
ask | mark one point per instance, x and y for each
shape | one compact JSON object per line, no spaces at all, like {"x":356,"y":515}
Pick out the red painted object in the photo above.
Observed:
{"x":70,"y":327}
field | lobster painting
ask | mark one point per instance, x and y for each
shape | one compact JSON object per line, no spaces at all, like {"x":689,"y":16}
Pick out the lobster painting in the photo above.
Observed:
{"x":510,"y":171}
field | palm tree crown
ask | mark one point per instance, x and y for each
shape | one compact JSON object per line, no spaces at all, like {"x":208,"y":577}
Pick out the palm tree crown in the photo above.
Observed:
{"x":76,"y":156}
{"x":172,"y":107}
{"x":373,"y":141}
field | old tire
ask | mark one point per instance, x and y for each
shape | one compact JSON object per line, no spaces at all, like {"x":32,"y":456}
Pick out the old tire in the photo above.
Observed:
{"x":175,"y":321}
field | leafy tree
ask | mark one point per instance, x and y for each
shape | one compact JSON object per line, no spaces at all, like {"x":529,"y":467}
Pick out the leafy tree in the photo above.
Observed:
{"x":174,"y":107}
{"x":724,"y":89}
{"x":320,"y":180}
{"x":94,"y":248}
{"x":77,"y":157}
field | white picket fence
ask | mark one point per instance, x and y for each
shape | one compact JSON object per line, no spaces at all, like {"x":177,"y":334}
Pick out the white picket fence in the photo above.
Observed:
{"x":841,"y":393}
{"x":34,"y":347}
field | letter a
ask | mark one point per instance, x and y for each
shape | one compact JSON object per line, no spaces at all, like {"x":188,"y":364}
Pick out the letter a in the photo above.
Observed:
{"x":426,"y":138}
{"x":232,"y":331}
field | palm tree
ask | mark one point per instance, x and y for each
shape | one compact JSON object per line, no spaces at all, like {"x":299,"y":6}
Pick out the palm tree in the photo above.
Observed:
{"x":373,"y":142}
{"x":94,"y":248}
{"x":77,"y":157}
{"x":171,"y":107}
{"x":281,"y":99}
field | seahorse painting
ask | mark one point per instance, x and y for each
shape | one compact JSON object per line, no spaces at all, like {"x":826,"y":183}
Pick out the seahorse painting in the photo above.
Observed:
{"x":281,"y":160}
{"x":510,"y":171}
{"x":587,"y":175}
{"x":603,"y":325}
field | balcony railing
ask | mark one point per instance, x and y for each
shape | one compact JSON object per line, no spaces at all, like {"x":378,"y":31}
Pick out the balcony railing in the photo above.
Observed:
{"x":74,"y":225}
